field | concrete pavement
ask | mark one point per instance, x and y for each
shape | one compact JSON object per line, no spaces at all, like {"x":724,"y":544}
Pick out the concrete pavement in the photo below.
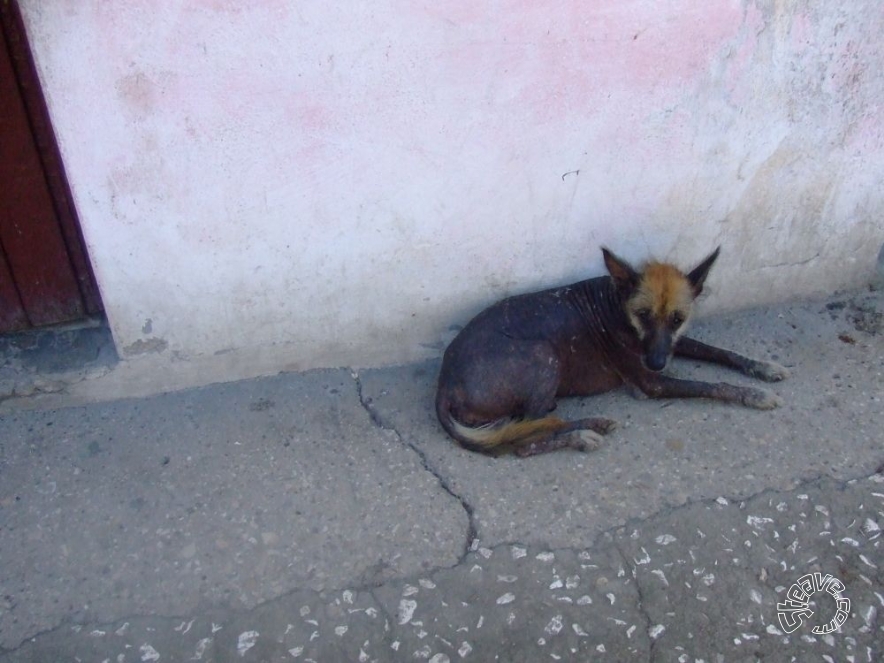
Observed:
{"x":325,"y":516}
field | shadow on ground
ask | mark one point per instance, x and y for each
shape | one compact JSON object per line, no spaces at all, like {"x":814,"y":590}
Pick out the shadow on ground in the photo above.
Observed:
{"x":324,"y":516}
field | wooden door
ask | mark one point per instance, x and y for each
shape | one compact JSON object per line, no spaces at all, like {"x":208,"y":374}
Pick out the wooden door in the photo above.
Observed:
{"x":45,"y":276}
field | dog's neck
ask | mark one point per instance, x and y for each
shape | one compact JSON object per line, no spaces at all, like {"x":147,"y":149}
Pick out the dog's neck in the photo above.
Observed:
{"x":603,"y":306}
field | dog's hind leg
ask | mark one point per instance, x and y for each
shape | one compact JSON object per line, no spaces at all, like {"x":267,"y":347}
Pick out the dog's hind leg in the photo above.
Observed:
{"x":581,"y":435}
{"x":763,"y":370}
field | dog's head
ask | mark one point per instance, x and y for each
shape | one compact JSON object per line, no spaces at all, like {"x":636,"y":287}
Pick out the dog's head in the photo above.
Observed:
{"x":658,"y":299}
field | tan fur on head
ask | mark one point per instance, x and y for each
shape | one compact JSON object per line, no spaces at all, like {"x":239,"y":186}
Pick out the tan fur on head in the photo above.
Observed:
{"x":658,"y":300}
{"x":664,"y":295}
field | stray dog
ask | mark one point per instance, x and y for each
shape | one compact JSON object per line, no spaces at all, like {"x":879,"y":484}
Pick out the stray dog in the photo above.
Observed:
{"x":502,"y":373}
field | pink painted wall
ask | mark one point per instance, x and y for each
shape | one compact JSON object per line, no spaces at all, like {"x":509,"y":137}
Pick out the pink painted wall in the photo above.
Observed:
{"x":282,"y":185}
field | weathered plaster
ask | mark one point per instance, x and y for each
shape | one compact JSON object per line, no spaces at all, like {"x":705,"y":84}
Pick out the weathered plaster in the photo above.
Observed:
{"x":284,"y":186}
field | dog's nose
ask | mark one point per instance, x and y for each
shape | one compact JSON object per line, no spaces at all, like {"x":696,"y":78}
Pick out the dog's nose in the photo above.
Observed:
{"x":656,"y":362}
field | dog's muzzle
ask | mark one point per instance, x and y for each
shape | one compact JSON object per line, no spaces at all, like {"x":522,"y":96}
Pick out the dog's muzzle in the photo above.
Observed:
{"x":657,"y":352}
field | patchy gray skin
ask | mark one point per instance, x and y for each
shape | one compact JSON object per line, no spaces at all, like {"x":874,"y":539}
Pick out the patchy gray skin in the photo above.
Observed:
{"x":501,"y":375}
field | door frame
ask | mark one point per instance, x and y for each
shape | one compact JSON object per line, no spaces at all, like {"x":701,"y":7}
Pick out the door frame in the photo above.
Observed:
{"x":13,"y":27}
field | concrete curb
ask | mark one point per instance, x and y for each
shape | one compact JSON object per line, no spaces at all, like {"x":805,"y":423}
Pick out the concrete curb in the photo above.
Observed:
{"x":324,"y":516}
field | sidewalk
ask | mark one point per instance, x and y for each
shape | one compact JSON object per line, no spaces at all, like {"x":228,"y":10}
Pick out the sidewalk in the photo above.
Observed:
{"x":326,"y":517}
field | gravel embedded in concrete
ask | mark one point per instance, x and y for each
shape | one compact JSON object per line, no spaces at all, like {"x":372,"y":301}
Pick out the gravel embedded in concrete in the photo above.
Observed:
{"x":325,"y":516}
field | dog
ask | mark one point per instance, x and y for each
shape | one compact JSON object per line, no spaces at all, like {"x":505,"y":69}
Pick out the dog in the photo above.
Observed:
{"x":502,"y":373}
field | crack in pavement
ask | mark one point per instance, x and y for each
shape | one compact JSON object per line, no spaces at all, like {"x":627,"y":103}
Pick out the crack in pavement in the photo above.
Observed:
{"x":449,"y":603}
{"x":630,"y":566}
{"x":472,"y":532}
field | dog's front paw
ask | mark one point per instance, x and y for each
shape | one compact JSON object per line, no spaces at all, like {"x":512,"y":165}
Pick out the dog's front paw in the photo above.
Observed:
{"x":635,"y":392}
{"x":761,"y":399}
{"x":769,"y":371}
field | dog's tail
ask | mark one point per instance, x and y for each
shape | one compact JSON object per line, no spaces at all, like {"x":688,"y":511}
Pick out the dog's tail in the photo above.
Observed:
{"x":488,"y":438}
{"x":514,"y":432}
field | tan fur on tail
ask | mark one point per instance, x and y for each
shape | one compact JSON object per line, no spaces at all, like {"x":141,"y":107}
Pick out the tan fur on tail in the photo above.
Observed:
{"x":507,"y":431}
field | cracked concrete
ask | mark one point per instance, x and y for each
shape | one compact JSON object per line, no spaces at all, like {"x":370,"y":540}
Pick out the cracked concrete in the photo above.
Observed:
{"x":325,"y":516}
{"x":39,"y":362}
{"x":159,"y":505}
{"x":699,"y":582}
{"x":443,"y":481}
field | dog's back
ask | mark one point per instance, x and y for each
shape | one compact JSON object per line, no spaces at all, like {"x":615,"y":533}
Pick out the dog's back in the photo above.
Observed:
{"x":501,"y":374}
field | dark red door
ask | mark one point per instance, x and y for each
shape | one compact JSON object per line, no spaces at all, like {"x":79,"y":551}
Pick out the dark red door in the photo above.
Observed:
{"x":45,"y":277}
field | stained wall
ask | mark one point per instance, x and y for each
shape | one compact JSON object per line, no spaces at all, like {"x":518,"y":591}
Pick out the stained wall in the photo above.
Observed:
{"x":280,"y":186}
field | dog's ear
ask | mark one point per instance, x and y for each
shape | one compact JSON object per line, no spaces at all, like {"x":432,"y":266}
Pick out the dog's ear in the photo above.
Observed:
{"x":625,"y":277}
{"x":699,"y":273}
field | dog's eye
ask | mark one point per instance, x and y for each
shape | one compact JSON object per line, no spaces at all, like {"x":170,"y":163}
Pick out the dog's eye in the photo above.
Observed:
{"x":678,"y":319}
{"x":644,"y":315}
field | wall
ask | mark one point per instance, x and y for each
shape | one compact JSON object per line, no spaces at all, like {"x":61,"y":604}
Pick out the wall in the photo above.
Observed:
{"x":290,"y":185}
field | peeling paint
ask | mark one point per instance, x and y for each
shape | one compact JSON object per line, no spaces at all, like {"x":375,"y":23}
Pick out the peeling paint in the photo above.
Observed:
{"x":145,"y":346}
{"x":667,"y":129}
